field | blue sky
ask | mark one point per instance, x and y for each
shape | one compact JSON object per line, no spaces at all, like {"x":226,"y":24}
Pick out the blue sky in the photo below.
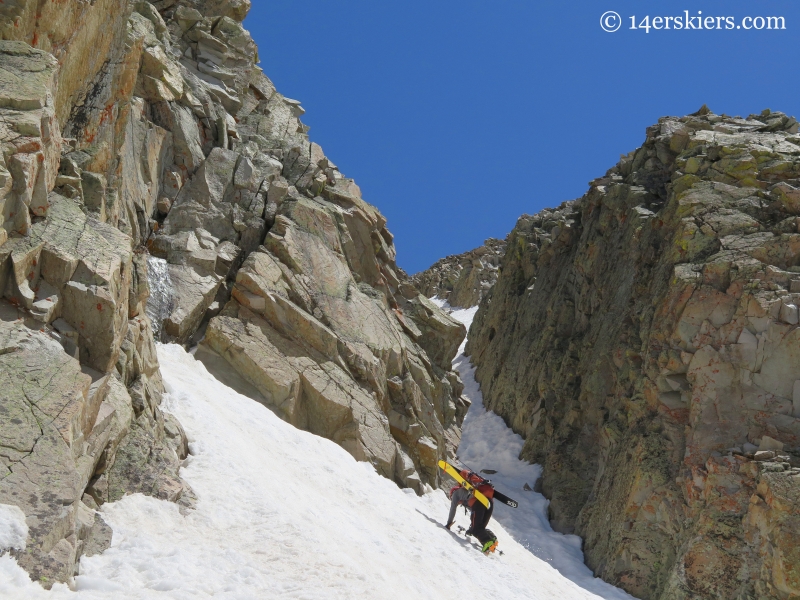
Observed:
{"x":457,"y":117}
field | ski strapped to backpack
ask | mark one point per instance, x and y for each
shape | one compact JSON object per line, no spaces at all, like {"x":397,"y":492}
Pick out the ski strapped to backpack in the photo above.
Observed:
{"x":497,"y":494}
{"x":479,"y":487}
{"x":453,"y":472}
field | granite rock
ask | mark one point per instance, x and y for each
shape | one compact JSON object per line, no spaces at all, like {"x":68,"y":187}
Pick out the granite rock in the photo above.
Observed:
{"x":643,"y":339}
{"x":463,"y":279}
{"x":146,"y":159}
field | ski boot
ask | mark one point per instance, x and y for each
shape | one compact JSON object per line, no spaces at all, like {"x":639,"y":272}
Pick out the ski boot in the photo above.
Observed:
{"x":491,"y":544}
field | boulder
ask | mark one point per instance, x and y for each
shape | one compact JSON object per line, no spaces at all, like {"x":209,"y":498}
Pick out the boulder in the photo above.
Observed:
{"x":193,"y":293}
{"x":144,"y":464}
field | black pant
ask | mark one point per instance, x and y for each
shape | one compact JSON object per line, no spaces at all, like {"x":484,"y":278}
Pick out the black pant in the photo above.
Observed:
{"x":480,"y":519}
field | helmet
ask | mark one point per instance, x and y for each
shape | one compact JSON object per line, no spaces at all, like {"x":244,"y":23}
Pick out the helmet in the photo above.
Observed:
{"x":452,"y":490}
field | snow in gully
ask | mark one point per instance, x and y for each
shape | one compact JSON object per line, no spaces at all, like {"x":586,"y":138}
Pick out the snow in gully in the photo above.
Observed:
{"x":283,"y":513}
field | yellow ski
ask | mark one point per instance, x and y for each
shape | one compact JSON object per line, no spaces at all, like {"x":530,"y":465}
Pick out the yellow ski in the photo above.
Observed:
{"x":453,"y":472}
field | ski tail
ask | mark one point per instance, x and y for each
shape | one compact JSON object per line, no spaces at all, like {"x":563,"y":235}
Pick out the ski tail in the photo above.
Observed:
{"x":505,"y":499}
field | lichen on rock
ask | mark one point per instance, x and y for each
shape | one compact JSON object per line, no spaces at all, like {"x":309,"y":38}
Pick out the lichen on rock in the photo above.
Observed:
{"x":643,"y":339}
{"x":134,"y":130}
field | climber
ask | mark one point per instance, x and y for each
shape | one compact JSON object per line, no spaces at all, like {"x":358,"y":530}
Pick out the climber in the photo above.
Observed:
{"x":480,"y":514}
{"x":459,"y":496}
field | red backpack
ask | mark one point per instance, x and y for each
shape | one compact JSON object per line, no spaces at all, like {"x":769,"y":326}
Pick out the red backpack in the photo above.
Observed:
{"x":484,"y":486}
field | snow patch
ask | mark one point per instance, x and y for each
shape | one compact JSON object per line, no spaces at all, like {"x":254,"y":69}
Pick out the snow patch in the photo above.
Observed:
{"x":488,"y":443}
{"x":283,"y":513}
{"x":13,"y":528}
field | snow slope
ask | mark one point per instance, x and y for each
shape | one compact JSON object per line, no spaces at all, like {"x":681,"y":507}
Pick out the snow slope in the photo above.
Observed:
{"x":285,"y":514}
{"x":487,"y":443}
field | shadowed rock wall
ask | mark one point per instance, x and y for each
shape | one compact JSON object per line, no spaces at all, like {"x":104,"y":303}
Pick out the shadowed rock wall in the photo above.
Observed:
{"x":644,"y":340}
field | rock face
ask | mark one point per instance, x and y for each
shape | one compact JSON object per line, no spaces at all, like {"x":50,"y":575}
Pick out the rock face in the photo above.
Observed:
{"x":141,"y":143}
{"x":79,"y":370}
{"x":644,"y":339}
{"x":463,"y":279}
{"x":290,"y":275}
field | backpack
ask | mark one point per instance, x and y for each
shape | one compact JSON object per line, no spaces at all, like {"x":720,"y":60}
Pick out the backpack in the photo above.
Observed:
{"x":484,"y":486}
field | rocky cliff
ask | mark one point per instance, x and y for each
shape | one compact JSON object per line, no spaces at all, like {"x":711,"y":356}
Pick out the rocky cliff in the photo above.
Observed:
{"x":144,"y":150}
{"x":644,"y":340}
{"x":463,"y":279}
